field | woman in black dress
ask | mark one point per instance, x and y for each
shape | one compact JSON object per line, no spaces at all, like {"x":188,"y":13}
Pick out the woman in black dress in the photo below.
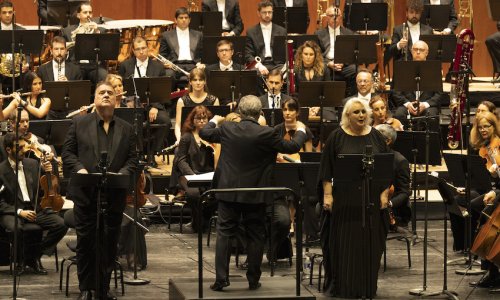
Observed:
{"x":346,"y":246}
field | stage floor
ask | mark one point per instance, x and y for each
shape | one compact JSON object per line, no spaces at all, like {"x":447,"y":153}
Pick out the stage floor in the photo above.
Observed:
{"x":172,"y":256}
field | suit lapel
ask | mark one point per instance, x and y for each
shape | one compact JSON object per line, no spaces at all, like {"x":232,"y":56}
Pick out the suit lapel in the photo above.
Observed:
{"x":51,"y":71}
{"x":192,"y":44}
{"x":92,"y":130}
{"x":175,"y":42}
{"x":117,"y":134}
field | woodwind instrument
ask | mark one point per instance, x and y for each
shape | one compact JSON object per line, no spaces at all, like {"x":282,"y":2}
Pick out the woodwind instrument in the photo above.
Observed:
{"x":86,"y":107}
{"x":251,"y":65}
{"x":291,"y":73}
{"x":406,"y":35}
{"x":164,"y":61}
{"x":3,"y":97}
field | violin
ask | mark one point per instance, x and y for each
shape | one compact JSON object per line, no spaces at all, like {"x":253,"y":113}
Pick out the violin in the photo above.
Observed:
{"x":38,"y":149}
{"x":139,"y":187}
{"x":51,"y":197}
{"x":490,"y":153}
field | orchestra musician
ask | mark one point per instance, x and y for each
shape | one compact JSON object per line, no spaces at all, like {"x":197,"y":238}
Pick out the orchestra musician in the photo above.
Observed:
{"x":232,"y":25}
{"x":493,"y":45}
{"x":260,"y":39}
{"x":274,"y":97}
{"x":225,"y":52}
{"x":88,"y":136}
{"x":343,"y":255}
{"x":453,"y":18}
{"x":182,"y":46}
{"x":309,"y":64}
{"x":194,"y":156}
{"x":399,"y":201}
{"x":59,"y":68}
{"x":33,"y":220}
{"x":85,"y":26}
{"x":381,"y":115}
{"x":327,"y":37}
{"x":486,"y":106}
{"x":409,"y":32}
{"x":485,"y":137}
{"x":116,"y":82}
{"x":364,"y":86}
{"x":247,"y":158}
{"x":198,"y":95}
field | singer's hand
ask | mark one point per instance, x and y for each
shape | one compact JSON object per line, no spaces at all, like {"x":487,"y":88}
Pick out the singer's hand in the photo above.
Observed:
{"x":28,"y":215}
{"x":82,"y":171}
{"x":327,"y":202}
{"x":153,"y":113}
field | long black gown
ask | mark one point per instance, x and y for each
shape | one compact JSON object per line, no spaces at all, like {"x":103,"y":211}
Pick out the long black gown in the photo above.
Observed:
{"x":345,"y":247}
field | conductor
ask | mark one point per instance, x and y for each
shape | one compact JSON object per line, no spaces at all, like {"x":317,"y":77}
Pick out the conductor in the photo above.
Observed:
{"x":247,"y":160}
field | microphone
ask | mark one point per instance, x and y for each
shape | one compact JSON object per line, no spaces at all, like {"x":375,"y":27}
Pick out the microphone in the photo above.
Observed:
{"x":368,"y":150}
{"x":103,"y":161}
{"x":166,"y":150}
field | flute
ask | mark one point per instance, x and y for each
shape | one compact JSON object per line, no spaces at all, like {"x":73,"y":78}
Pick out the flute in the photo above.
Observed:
{"x":84,"y":108}
{"x":22,"y":95}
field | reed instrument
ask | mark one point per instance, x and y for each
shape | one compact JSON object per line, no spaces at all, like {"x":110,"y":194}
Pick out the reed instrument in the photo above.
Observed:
{"x":165,"y":61}
{"x":459,"y":86}
{"x":251,"y":65}
{"x":290,"y":71}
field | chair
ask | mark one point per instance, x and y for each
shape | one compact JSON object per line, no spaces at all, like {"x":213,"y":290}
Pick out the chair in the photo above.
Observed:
{"x":316,"y":257}
{"x":400,"y":234}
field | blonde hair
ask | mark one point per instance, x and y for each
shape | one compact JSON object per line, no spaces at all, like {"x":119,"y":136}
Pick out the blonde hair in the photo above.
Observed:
{"x":347,"y":110}
{"x":318,"y":65}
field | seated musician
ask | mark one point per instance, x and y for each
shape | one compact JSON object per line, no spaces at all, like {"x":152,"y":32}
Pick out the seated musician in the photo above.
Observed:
{"x":85,"y":26}
{"x":117,"y":84}
{"x":493,"y":45}
{"x":59,"y":68}
{"x":260,"y":40}
{"x":194,"y":156}
{"x":309,"y":64}
{"x":274,"y":97}
{"x":232,"y":25}
{"x":198,"y":95}
{"x":381,"y":115}
{"x":182,"y":46}
{"x":225,"y":52}
{"x":485,"y":137}
{"x":452,"y":19}
{"x":140,"y":65}
{"x":327,"y":38}
{"x":399,"y":200}
{"x":290,"y":108}
{"x":32,"y":219}
{"x":405,"y":35}
{"x":486,"y":106}
{"x":409,"y":104}
{"x":364,"y":86}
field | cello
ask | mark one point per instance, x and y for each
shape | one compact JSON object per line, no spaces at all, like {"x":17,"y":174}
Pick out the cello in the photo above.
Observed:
{"x":488,"y":236}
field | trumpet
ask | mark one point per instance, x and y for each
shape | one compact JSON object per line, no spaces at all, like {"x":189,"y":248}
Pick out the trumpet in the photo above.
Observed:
{"x":175,"y":67}
{"x":21,"y":95}
{"x":406,"y":35}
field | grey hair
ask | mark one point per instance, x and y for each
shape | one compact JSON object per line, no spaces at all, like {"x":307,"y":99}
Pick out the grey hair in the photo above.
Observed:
{"x":388,"y":132}
{"x":347,"y":109}
{"x":250,"y":107}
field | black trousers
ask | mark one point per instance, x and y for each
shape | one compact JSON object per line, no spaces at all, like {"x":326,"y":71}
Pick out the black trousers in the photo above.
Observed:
{"x":158,"y":134}
{"x":493,"y":44}
{"x":252,"y":218}
{"x":85,"y":225}
{"x":280,"y":226}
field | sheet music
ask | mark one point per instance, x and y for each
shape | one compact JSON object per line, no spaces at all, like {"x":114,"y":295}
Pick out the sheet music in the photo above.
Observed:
{"x":201,"y":177}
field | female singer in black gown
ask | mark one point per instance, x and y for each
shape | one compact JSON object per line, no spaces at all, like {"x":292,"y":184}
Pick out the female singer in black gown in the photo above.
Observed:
{"x":346,"y":248}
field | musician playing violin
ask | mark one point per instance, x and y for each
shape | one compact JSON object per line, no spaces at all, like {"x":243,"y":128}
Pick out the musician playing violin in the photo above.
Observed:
{"x":485,"y":137}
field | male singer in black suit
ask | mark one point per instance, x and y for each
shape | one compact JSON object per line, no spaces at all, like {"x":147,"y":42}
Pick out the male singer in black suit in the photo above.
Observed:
{"x":452,"y":19}
{"x":327,"y":37}
{"x":59,"y":69}
{"x":89,"y":137}
{"x":232,"y":25}
{"x":32,"y":219}
{"x":400,"y":200}
{"x":493,"y":44}
{"x":247,"y":159}
{"x":182,"y":46}
{"x":274,"y":83}
{"x":140,"y":65}
{"x":400,"y":47}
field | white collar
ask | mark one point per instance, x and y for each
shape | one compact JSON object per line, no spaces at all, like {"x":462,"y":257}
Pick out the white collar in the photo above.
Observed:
{"x":268,"y":26}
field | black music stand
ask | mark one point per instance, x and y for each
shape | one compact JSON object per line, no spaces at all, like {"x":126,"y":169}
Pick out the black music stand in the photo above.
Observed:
{"x":297,"y":18}
{"x":494,"y":9}
{"x":322,"y":94}
{"x":96,"y":47}
{"x":221,"y":110}
{"x":441,"y":47}
{"x":208,"y":22}
{"x":356,"y":49}
{"x":232,"y":85}
{"x":62,"y":13}
{"x":279,"y":48}
{"x":68,"y":95}
{"x":278,"y":115}
{"x":366,"y":16}
{"x":103,"y":181}
{"x":436,"y":16}
{"x":457,"y":169}
{"x":369,"y":171}
{"x":209,"y":55}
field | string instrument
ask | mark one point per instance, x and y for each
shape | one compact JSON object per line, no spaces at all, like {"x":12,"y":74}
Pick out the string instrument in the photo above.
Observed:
{"x":487,"y":236}
{"x":51,"y":197}
{"x":34,"y":146}
{"x":139,"y":187}
{"x":491,"y":154}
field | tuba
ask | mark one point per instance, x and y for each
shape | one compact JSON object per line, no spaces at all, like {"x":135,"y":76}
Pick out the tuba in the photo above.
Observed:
{"x":459,"y":86}
{"x":6,"y":64}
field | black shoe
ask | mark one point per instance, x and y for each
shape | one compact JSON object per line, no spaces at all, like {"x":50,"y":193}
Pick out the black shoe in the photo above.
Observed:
{"x":254,"y":286}
{"x":111,"y":295}
{"x":37,"y":267}
{"x":219,"y":285}
{"x":487,"y":282}
{"x":85,"y":295}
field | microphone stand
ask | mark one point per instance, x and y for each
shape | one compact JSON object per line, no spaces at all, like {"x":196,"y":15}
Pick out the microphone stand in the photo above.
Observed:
{"x":273,"y":96}
{"x":367,"y":206}
{"x":287,"y":57}
{"x":100,"y":213}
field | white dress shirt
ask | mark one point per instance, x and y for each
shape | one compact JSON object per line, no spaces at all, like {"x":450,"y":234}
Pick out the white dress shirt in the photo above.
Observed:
{"x":333,"y":36}
{"x":414,"y":31}
{"x":289,"y":3}
{"x":22,"y":180}
{"x":141,"y":68}
{"x":277,"y":100}
{"x":224,"y":67}
{"x":56,"y":71}
{"x":221,"y":6}
{"x":266,"y":33}
{"x":184,"y":44}
{"x":367,"y":97}
{"x":7,"y":27}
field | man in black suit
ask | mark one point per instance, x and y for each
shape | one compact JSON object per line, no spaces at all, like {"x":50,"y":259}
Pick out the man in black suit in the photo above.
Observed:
{"x":364,"y":86}
{"x":232,"y":25}
{"x":86,"y":25}
{"x":327,"y":37}
{"x":140,"y":65}
{"x":225,"y":52}
{"x":402,"y":42}
{"x":32,"y":219}
{"x":88,"y":138}
{"x":452,"y":19}
{"x":406,"y":102}
{"x":400,"y":200}
{"x":59,"y":69}
{"x":182,"y":46}
{"x":274,"y":83}
{"x":7,"y":16}
{"x":493,"y":44}
{"x":247,"y":159}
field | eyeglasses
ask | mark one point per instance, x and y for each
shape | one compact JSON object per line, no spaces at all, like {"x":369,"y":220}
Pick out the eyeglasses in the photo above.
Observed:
{"x":418,"y":49}
{"x":224,"y":50}
{"x":198,"y":118}
{"x":140,"y":49}
{"x":484,"y":127}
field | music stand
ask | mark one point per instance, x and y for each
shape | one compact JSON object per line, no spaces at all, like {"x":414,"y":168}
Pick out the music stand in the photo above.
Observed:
{"x":62,"y":12}
{"x":321,"y":93}
{"x":96,"y":47}
{"x":209,"y":55}
{"x":310,"y":156}
{"x":356,"y":49}
{"x":212,"y":20}
{"x":129,"y":114}
{"x":371,"y":171}
{"x":221,"y":110}
{"x":367,"y":16}
{"x":494,"y":9}
{"x":279,"y":49}
{"x":68,"y":95}
{"x":436,"y":16}
{"x":29,"y":41}
{"x":441,"y":47}
{"x":102,"y":181}
{"x":278,"y":115}
{"x":231,"y":85}
{"x":297,"y":18}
